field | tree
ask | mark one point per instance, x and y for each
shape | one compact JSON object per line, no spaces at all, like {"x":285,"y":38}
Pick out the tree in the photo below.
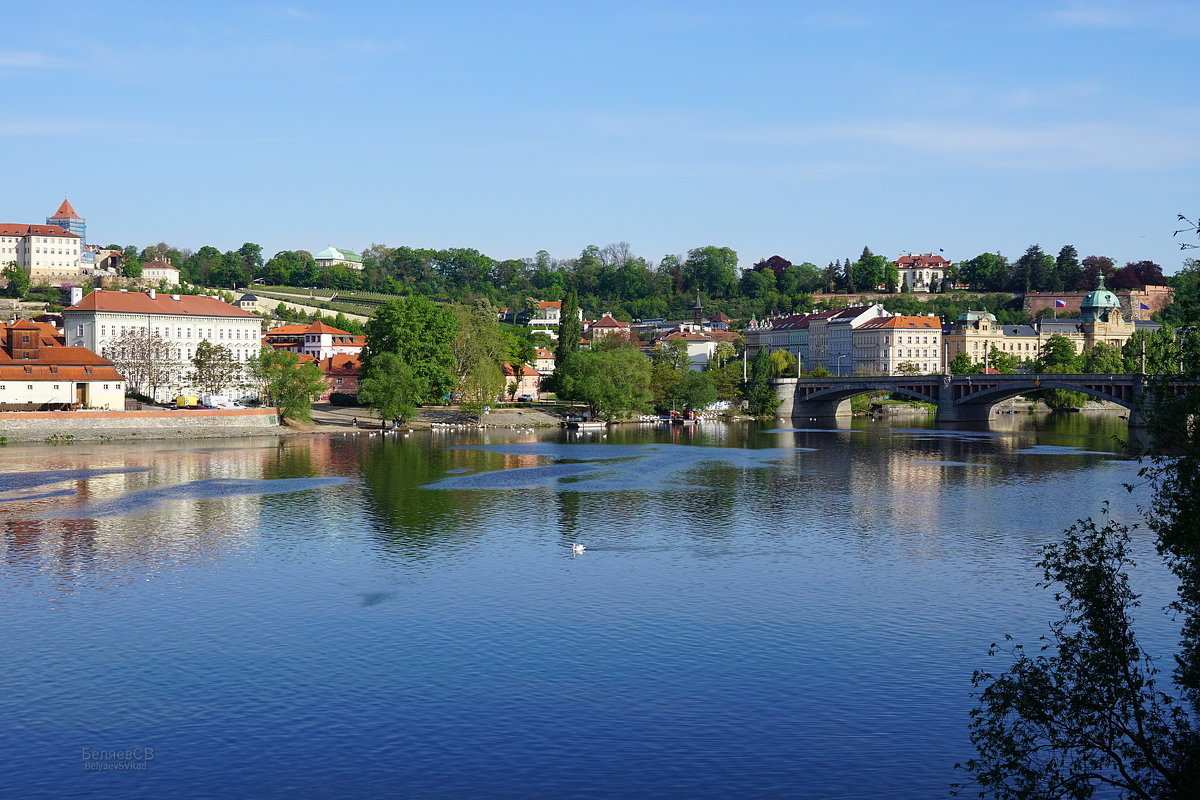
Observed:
{"x":570,"y":331}
{"x":18,"y":280}
{"x":1067,"y":268}
{"x":213,"y":368}
{"x":1151,"y":352}
{"x":986,"y":272}
{"x":908,"y":368}
{"x":782,"y":364}
{"x":286,"y":383}
{"x":696,"y":391}
{"x":1103,"y":358}
{"x":962,"y":364}
{"x":1089,"y":710}
{"x":1058,"y":356}
{"x":760,"y":395}
{"x":613,"y":383}
{"x":423,"y":335}
{"x":668,"y":367}
{"x":145,"y":359}
{"x":479,"y":348}
{"x":711,"y":270}
{"x":391,"y":387}
{"x":1085,"y":710}
{"x":1001,"y":361}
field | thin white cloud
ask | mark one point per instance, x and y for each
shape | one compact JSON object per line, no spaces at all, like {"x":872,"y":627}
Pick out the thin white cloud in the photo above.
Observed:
{"x":1176,"y":17}
{"x":1066,"y":145}
{"x":9,"y":58}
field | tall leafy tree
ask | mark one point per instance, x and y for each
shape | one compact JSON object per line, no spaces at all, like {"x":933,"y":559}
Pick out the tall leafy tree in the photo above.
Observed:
{"x":286,"y":383}
{"x":570,"y":331}
{"x":392,"y":388}
{"x":423,"y":335}
{"x":213,"y":368}
{"x":1068,"y":268}
{"x":613,"y":383}
{"x":760,"y":395}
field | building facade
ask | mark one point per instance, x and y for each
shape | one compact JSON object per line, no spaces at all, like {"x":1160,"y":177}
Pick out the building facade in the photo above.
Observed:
{"x":924,"y":272}
{"x":38,"y":373}
{"x":336,"y":256}
{"x":893,"y":345}
{"x":181,"y":321}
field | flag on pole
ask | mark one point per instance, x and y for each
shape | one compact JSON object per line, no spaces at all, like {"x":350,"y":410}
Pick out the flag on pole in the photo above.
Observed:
{"x":1143,"y":307}
{"x":1060,"y":303}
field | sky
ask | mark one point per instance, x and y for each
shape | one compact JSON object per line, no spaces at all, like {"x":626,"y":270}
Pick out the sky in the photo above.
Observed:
{"x":804,"y":129}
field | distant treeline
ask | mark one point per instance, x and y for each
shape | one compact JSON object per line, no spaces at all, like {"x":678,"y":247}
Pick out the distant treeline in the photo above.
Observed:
{"x":614,"y":279}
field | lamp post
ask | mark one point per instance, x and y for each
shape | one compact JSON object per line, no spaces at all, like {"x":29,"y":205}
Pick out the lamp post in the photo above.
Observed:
{"x":839,"y":360}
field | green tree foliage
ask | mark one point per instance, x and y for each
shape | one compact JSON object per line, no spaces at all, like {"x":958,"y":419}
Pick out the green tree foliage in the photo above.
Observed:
{"x":570,"y":331}
{"x":423,"y":335}
{"x":1103,"y":358}
{"x":1058,"y":356}
{"x":1088,"y":710}
{"x":1158,"y":350}
{"x":712,"y":271}
{"x":1186,"y":282}
{"x":760,"y":395}
{"x":18,"y":281}
{"x":213,"y":368}
{"x":668,"y":367}
{"x":696,"y":391}
{"x":479,"y":349}
{"x":986,"y":272}
{"x":1002,"y":361}
{"x":782,"y":364}
{"x":613,"y":383}
{"x":870,"y":271}
{"x":286,"y":383}
{"x":1068,"y":269}
{"x":962,"y":364}
{"x":392,"y":388}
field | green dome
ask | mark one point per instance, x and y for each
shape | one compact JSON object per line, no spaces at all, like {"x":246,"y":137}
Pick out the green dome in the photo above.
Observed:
{"x":975,"y":316}
{"x":1099,"y":303}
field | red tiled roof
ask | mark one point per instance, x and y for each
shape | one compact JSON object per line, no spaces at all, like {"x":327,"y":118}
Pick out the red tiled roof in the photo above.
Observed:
{"x":158,"y":263}
{"x":607,"y":321}
{"x":550,"y":304}
{"x":544,"y":353}
{"x":65,"y":210}
{"x":932,"y":323}
{"x":21,"y":229}
{"x":287,"y":330}
{"x":342,"y":365}
{"x":141,"y":303}
{"x":925,"y":260}
{"x":526,"y":371}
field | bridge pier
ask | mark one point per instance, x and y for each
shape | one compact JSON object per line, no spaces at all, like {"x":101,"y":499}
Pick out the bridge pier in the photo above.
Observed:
{"x":950,"y":411}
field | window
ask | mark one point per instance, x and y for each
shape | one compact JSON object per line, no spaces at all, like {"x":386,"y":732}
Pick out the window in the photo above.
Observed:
{"x":105,"y":386}
{"x":29,"y":386}
{"x":79,"y":330}
{"x":56,"y":386}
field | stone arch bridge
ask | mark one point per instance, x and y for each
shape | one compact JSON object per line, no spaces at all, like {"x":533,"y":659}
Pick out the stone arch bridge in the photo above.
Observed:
{"x":959,"y":398}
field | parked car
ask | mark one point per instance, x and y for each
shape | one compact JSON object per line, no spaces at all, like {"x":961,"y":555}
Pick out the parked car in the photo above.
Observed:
{"x":525,"y":398}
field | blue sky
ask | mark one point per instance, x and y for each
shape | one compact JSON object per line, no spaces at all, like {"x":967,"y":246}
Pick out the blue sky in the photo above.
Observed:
{"x":806,"y":129}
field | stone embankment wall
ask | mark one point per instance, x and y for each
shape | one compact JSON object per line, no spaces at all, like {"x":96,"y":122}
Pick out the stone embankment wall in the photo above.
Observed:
{"x":40,"y":426}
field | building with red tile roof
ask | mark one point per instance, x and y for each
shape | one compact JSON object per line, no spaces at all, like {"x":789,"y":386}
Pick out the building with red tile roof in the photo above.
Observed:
{"x":922,"y":272}
{"x":181,"y":321}
{"x":316,"y":339}
{"x":38,"y":373}
{"x":894,"y":345}
{"x":521,"y":382}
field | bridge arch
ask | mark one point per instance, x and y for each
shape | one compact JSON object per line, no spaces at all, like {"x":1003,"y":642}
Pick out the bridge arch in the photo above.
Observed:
{"x":841,"y":394}
{"x":998,"y":394}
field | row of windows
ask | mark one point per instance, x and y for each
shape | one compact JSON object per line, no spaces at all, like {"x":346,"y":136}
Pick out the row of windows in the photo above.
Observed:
{"x":56,"y":386}
{"x":235,"y":334}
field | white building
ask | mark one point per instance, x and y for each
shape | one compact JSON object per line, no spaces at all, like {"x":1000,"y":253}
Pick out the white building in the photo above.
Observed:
{"x":334,"y":256}
{"x":829,"y":338}
{"x":183,"y":321}
{"x":548,"y":316}
{"x":38,"y":373}
{"x":45,"y":252}
{"x":160,"y":271}
{"x":318,"y":340}
{"x":924,"y":272}
{"x":882,"y":345}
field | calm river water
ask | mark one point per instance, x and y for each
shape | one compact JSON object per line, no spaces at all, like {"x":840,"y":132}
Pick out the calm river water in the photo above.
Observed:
{"x":759,"y":613}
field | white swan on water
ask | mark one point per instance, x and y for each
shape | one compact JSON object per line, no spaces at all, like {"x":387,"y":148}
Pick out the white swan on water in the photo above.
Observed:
{"x":577,"y":548}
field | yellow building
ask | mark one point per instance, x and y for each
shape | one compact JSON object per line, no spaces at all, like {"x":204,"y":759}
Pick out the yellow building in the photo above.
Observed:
{"x":1100,"y":320}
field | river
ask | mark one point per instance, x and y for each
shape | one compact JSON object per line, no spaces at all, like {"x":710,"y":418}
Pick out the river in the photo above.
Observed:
{"x":757,"y":613}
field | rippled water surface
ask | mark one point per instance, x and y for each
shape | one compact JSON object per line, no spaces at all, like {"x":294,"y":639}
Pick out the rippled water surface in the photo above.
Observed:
{"x":757,"y":613}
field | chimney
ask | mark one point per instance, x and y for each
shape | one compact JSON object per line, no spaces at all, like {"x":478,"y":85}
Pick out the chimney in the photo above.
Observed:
{"x":152,"y":294}
{"x":76,"y":294}
{"x":175,"y":297}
